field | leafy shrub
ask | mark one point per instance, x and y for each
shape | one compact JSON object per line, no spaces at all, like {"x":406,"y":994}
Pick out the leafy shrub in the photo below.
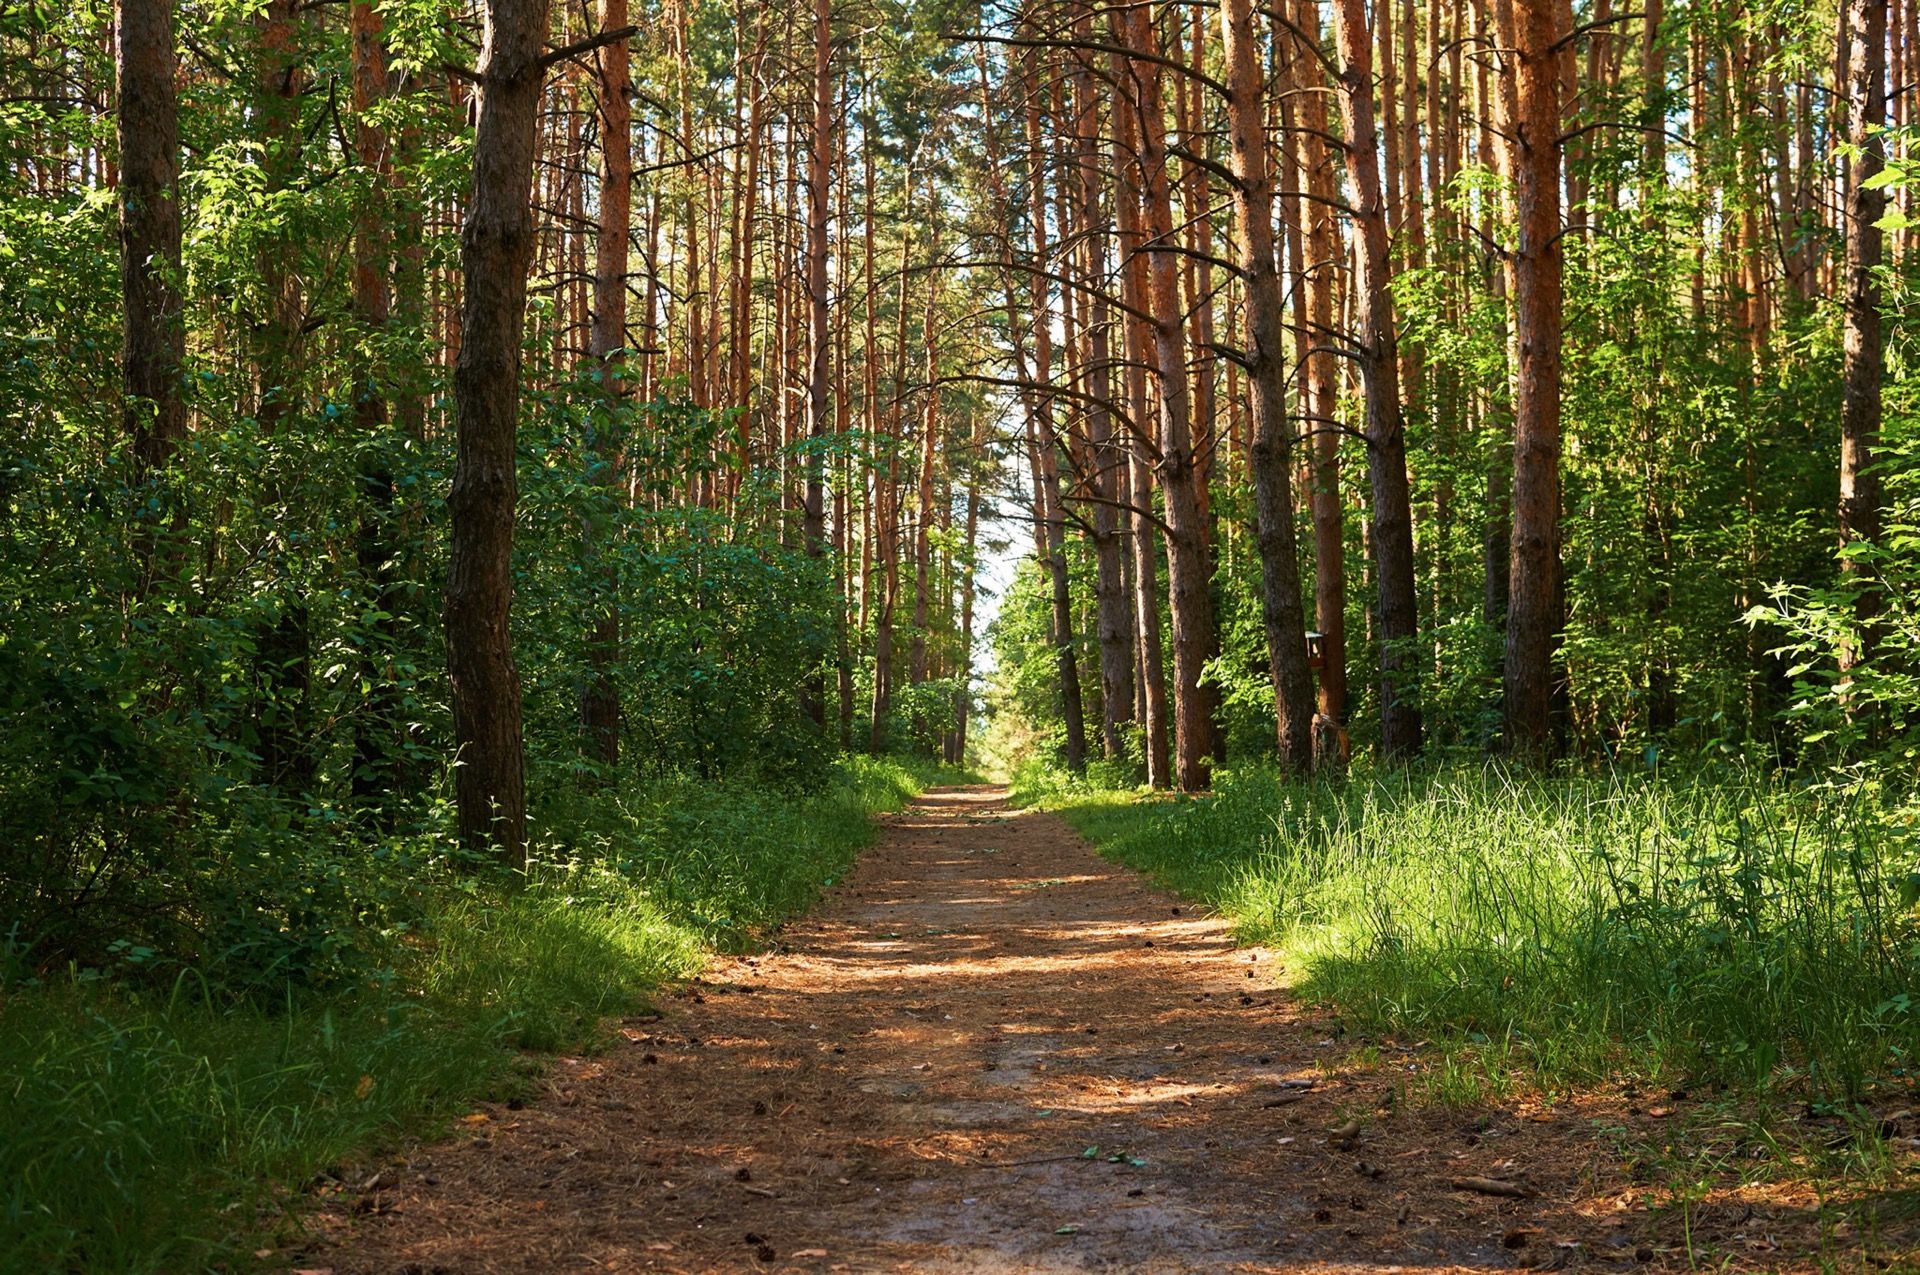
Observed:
{"x":150,"y":1119}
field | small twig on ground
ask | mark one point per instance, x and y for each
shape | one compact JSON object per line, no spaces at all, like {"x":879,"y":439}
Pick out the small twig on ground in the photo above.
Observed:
{"x":1020,"y":1164}
{"x":1494,"y":1186}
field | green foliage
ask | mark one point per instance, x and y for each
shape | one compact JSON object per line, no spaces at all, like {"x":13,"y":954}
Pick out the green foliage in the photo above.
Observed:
{"x":149,"y":1122}
{"x":1719,"y":925}
{"x":1851,"y":644}
{"x":235,"y":761}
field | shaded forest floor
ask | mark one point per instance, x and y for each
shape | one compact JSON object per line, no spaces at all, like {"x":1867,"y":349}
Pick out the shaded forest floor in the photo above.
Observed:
{"x":991,"y":1050}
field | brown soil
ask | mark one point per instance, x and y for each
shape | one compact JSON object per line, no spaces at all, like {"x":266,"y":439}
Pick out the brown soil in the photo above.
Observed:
{"x":990,"y":1051}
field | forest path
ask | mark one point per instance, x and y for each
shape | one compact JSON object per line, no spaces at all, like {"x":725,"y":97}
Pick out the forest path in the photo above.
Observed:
{"x":915,"y":1078}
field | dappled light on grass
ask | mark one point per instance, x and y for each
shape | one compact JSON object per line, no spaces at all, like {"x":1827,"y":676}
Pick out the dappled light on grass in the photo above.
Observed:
{"x":1731,"y":926}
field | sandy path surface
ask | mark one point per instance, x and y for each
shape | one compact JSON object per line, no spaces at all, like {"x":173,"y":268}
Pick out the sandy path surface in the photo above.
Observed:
{"x":990,"y":1050}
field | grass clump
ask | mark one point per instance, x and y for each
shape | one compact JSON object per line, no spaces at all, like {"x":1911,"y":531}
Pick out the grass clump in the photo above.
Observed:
{"x":1737,"y":928}
{"x":160,"y":1124}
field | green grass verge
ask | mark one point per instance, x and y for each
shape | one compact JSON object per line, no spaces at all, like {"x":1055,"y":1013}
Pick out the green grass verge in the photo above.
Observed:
{"x":1722,"y":928}
{"x":150,"y":1130}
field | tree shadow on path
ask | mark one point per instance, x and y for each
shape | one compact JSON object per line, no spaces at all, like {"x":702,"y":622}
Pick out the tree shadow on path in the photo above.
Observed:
{"x":990,"y":1050}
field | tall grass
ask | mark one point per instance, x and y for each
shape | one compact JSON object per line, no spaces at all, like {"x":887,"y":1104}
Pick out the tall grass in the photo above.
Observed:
{"x":161,"y":1127}
{"x":1727,"y":927}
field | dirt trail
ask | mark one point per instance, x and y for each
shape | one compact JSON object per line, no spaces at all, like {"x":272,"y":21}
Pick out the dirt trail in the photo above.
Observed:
{"x":990,"y":1050}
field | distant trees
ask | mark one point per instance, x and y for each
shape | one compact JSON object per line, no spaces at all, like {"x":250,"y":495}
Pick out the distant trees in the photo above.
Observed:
{"x":1527,"y":482}
{"x":1595,"y":298}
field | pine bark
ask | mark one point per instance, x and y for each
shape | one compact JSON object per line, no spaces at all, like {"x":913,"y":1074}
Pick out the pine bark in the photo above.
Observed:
{"x":1864,"y":355}
{"x":1107,"y":455}
{"x":1321,"y":276}
{"x":1272,"y":449}
{"x":1391,"y":540}
{"x":1143,"y":538}
{"x":496,"y":250}
{"x":1188,"y":584}
{"x":819,"y":331}
{"x":1535,"y":607}
{"x":152,"y":331}
{"x":1045,"y":444}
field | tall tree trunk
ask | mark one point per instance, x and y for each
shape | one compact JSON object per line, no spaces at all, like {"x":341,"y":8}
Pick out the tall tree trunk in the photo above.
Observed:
{"x":1048,"y":506}
{"x":153,"y":335}
{"x":600,"y":705}
{"x":1493,"y":111}
{"x":1392,"y":521}
{"x":1272,"y":451}
{"x":1188,"y":585}
{"x":1196,"y":200}
{"x":496,"y":249}
{"x":819,"y":332}
{"x":1535,"y":605}
{"x":1143,"y":537}
{"x":843,"y":491}
{"x":1321,"y":276}
{"x":1108,"y":457}
{"x":1865,"y":360}
{"x":887,"y":499}
{"x":929,"y":453}
{"x":955,"y":752}
{"x":924,"y":498}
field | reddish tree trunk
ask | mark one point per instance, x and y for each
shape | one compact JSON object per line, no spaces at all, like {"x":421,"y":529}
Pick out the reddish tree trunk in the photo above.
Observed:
{"x":1322,"y":274}
{"x":1272,"y":451}
{"x":1189,"y":587}
{"x":1108,"y":456}
{"x":1048,"y":507}
{"x":1149,"y":668}
{"x":1534,"y":602}
{"x":819,"y":333}
{"x":1865,"y":364}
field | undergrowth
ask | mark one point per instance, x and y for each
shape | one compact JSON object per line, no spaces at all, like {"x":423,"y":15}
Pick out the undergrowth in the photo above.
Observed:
{"x":1691,"y":929}
{"x":160,"y":1122}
